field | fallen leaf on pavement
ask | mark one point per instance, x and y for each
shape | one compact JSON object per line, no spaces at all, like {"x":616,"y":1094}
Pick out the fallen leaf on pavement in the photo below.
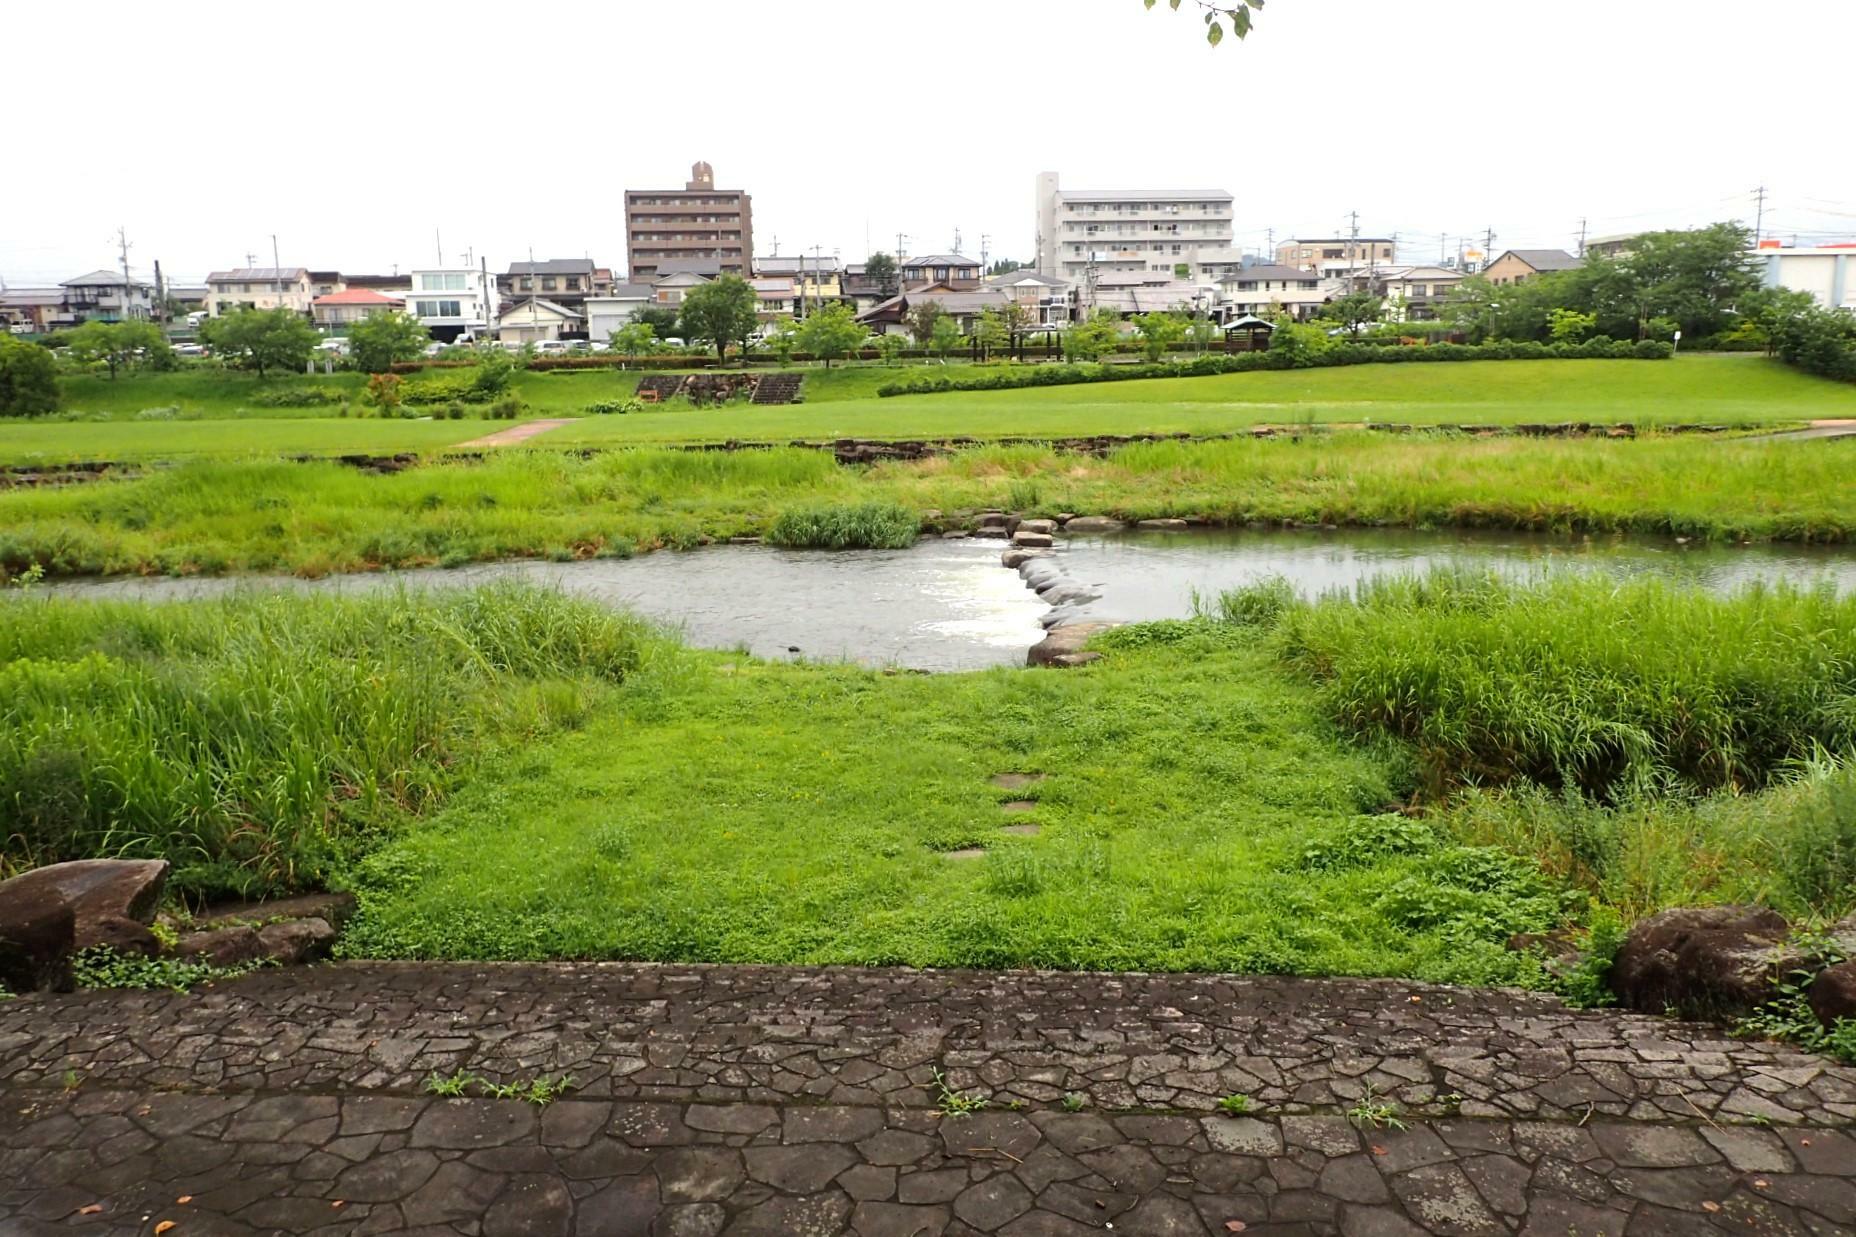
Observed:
{"x":91,"y":1210}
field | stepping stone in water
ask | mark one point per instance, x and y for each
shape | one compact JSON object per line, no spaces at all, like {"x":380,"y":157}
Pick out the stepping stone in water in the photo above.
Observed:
{"x":1023,"y":831}
{"x":1016,"y":781}
{"x":965,"y":852}
{"x":1019,"y":805}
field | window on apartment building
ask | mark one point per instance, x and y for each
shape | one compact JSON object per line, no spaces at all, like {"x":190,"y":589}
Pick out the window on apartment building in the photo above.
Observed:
{"x":528,"y":284}
{"x":547,"y":283}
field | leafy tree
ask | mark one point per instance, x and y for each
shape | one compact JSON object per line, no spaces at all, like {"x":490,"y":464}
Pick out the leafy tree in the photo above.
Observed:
{"x":1159,"y":332}
{"x":386,"y":392}
{"x":990,"y":332}
{"x":262,"y":339}
{"x":635,"y":338}
{"x":119,"y":344}
{"x":1090,"y":338}
{"x":881,"y":268}
{"x":378,"y":340}
{"x":1201,"y":331}
{"x":1569,"y":326}
{"x":782,"y":339}
{"x":1296,"y":345}
{"x":1015,"y":318}
{"x":1005,"y":266}
{"x":1764,"y":312}
{"x":891,"y":347}
{"x":28,"y":379}
{"x":921,"y":319}
{"x":723,"y":311}
{"x":945,"y":336}
{"x":1820,"y":341}
{"x":1217,"y":13}
{"x":662,"y":319}
{"x":1354,"y":310}
{"x":832,"y":332}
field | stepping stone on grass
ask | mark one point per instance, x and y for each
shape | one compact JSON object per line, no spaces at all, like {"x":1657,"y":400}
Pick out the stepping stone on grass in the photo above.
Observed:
{"x":1019,"y":805}
{"x":1016,"y":781}
{"x":965,"y":852}
{"x":1023,"y":831}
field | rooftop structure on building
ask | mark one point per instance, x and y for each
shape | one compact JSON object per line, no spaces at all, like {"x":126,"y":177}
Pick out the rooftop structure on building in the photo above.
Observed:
{"x":1084,"y":233}
{"x":698,"y":221}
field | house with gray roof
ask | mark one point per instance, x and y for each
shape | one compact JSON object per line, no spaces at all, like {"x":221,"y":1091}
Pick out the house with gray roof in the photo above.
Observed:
{"x":1520,"y":265}
{"x":106,"y":295}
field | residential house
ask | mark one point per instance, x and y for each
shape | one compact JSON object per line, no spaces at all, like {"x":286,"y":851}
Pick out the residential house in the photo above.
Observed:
{"x":1415,"y":293}
{"x":187,"y":298}
{"x":1333,"y":256}
{"x":335,"y":312}
{"x":106,"y":295}
{"x":1616,"y":245}
{"x":621,"y":303}
{"x":863,"y":290}
{"x":326,"y":283}
{"x":814,"y":279}
{"x":564,"y":281}
{"x":670,"y":290}
{"x":779,"y":296}
{"x":964,"y":305}
{"x":1135,"y":292}
{"x":453,"y":301}
{"x":1260,"y":291}
{"x":1827,"y":272}
{"x":260,"y":287}
{"x":32,"y":311}
{"x":947,"y":269}
{"x":664,"y":226}
{"x":390,"y":285}
{"x":1044,"y":298}
{"x":532,"y":320}
{"x":1520,"y":265}
{"x":1094,"y":232}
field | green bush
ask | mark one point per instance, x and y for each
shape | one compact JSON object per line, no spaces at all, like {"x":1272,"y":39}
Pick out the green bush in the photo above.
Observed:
{"x":256,"y":740}
{"x":887,"y":526}
{"x":298,"y":397}
{"x":28,"y":379}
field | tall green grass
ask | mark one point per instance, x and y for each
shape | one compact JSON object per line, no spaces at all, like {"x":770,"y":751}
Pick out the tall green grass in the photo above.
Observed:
{"x":1583,"y":682}
{"x":254,"y":740}
{"x":872,"y":526}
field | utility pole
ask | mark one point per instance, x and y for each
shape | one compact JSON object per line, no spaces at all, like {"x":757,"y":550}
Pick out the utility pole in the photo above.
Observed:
{"x":438,"y":243}
{"x":161,"y":300}
{"x":251,"y":259}
{"x":1582,"y":236}
{"x":818,"y":277}
{"x":1488,"y":248}
{"x":122,"y":242}
{"x":1443,"y":247}
{"x":956,"y":238}
{"x":275,"y":263}
{"x":1759,"y":219}
{"x":985,"y":251}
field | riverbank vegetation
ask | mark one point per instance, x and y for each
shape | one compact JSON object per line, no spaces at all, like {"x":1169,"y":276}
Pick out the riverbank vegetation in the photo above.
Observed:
{"x":317,"y":518}
{"x":257,"y":741}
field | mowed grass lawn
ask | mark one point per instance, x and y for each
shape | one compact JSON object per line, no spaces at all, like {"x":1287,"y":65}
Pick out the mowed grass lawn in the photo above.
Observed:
{"x":1722,"y":389}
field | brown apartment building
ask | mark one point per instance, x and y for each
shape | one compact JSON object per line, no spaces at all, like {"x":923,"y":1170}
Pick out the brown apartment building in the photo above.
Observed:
{"x":667,"y":227}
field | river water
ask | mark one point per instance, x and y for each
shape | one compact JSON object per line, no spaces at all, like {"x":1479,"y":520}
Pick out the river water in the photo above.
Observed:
{"x":949,"y":605}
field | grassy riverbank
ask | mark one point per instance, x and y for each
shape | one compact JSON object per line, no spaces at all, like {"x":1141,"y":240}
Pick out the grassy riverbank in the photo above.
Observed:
{"x":319,"y":518}
{"x":506,"y":774}
{"x":219,"y":414}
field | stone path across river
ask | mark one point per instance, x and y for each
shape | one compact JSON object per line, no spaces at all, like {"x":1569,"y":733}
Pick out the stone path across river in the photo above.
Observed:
{"x":764,"y":1100}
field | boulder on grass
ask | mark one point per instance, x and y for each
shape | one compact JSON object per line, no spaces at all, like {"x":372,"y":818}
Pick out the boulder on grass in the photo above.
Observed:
{"x":1833,"y":993}
{"x":112,"y":901}
{"x":1063,"y":647}
{"x":1709,"y":961}
{"x":36,"y":929}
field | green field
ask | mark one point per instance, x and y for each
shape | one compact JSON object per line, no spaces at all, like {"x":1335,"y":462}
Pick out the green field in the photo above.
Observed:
{"x":1721,"y":389}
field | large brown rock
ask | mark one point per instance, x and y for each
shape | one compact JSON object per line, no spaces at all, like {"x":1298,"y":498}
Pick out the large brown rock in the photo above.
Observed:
{"x":1833,"y":993}
{"x":1063,"y":647}
{"x":1710,"y":961}
{"x":35,"y":941}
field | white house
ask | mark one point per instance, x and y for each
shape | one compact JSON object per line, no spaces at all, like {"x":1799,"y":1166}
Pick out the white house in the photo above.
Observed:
{"x":260,"y":287}
{"x":106,"y":295}
{"x":449,"y":301}
{"x":1827,"y":272}
{"x":608,"y":312}
{"x":1415,"y":293}
{"x":534,"y":319}
{"x":1260,"y":291}
{"x":1045,"y":298}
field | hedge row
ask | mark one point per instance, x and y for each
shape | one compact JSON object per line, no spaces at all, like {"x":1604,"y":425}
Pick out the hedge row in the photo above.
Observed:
{"x":1241,"y":362}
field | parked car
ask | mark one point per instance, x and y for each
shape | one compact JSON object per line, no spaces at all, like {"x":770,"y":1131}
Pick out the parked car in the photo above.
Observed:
{"x":552,"y":346}
{"x":189,"y":350}
{"x":336,"y":344}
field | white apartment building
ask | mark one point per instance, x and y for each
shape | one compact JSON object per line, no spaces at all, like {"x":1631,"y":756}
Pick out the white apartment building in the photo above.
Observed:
{"x":450,"y":301}
{"x":1088,"y":233}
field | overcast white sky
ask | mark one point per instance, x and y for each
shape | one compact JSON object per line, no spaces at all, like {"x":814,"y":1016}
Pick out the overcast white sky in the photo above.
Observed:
{"x":355,"y":130}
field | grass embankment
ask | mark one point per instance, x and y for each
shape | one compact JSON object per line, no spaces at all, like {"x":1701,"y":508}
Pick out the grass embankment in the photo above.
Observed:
{"x":1715,"y":389}
{"x":318,"y":518}
{"x":257,"y":741}
{"x":1656,"y":744}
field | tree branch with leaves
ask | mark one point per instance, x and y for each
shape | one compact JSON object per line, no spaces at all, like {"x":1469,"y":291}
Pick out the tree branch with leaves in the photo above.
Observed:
{"x":1219,"y":12}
